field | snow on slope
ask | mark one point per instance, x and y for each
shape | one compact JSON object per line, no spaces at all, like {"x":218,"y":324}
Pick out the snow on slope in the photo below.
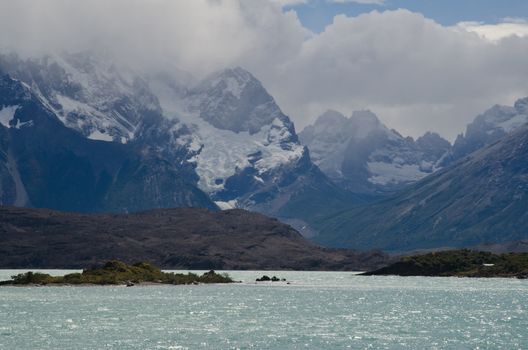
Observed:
{"x":226,"y":129}
{"x":489,"y":127}
{"x":7,"y":114}
{"x":86,"y":92}
{"x":362,"y":154}
{"x":219,"y":153}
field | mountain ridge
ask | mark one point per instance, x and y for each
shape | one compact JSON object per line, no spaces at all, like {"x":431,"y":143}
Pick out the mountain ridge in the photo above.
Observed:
{"x":478,"y":199}
{"x":224,"y":135}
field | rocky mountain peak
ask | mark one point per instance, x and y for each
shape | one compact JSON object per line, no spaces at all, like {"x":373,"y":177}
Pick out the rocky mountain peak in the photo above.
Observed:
{"x":233,"y":99}
{"x":330,"y":117}
{"x":87,"y":93}
{"x":233,"y":81}
{"x":363,"y":155}
{"x":490,"y":126}
{"x":521,"y":106}
{"x":433,"y":140}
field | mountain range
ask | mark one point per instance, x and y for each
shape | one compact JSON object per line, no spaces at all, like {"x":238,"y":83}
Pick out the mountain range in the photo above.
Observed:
{"x":362,"y":155}
{"x":481,"y":198}
{"x":81,"y":134}
{"x":78,"y":133}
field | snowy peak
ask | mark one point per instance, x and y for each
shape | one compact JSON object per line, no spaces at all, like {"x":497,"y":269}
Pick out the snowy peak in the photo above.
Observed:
{"x":235,"y":100}
{"x":85,"y":93}
{"x":232,"y":81}
{"x":490,"y":126}
{"x":433,"y":145}
{"x":363,"y":155}
{"x":521,"y":106}
{"x":241,"y":139}
{"x":330,"y":118}
{"x":501,"y":118}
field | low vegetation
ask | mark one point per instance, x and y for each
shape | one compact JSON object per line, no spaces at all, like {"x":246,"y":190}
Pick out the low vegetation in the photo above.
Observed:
{"x":266,"y":278}
{"x":460,"y":263}
{"x":117,"y":272}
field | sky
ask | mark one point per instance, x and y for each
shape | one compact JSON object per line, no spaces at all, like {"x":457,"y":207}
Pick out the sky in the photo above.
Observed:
{"x":420,"y":65}
{"x":317,"y":14}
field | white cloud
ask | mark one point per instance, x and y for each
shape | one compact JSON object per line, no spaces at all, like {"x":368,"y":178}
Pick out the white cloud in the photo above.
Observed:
{"x":363,"y":2}
{"x":196,"y":35}
{"x":495,"y":32}
{"x":283,"y":3}
{"x":415,"y":73}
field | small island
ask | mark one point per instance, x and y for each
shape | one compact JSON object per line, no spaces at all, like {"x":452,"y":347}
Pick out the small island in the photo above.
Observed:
{"x":118,"y":273}
{"x":459,"y":263}
{"x":266,"y":278}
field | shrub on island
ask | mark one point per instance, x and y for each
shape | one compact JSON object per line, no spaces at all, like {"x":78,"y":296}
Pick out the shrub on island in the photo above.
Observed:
{"x":117,"y":272}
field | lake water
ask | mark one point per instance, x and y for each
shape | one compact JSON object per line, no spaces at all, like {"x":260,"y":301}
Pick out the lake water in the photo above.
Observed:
{"x":318,"y":310}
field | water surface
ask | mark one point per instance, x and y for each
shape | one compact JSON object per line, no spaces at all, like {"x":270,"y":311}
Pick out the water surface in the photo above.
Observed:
{"x":318,"y":310}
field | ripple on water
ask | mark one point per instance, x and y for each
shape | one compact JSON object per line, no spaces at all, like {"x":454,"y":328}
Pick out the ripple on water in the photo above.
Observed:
{"x":317,"y":311}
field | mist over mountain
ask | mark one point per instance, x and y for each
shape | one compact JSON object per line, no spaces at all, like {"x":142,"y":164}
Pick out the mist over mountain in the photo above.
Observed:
{"x":479,"y":199}
{"x":82,"y":133}
{"x":123,"y":141}
{"x":363,"y":155}
{"x":489,"y":127}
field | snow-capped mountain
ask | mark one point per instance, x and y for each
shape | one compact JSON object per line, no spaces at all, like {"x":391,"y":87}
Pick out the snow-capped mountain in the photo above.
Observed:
{"x":224,"y":135}
{"x":87,"y":94}
{"x":241,"y":139}
{"x":363,"y":155}
{"x":43,"y":163}
{"x":482,"y":198}
{"x":489,"y":127}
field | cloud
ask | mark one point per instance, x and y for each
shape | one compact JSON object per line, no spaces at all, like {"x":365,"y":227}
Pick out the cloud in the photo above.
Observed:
{"x":363,"y":2}
{"x":197,"y":35}
{"x":496,"y":32}
{"x":284,"y":3}
{"x":414,"y":73}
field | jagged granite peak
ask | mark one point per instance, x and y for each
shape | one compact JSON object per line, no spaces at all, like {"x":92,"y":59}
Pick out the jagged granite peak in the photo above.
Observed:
{"x":86,"y":92}
{"x":489,"y":127}
{"x":233,"y":99}
{"x":363,"y":155}
{"x":233,"y":163}
{"x":521,"y":106}
{"x":480,"y":199}
{"x":434,"y":146}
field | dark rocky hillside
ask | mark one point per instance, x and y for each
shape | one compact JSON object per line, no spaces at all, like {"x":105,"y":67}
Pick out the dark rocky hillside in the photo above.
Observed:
{"x":170,"y":238}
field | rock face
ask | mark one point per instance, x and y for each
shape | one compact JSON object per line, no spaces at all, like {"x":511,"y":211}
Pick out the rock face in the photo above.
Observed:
{"x":43,"y":163}
{"x":170,"y":238}
{"x":109,"y":138}
{"x":363,"y":155}
{"x":235,"y":100}
{"x":480,"y":199}
{"x":489,"y":127}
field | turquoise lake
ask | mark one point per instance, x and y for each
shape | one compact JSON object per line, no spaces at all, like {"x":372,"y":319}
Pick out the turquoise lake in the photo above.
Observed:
{"x":317,"y":310}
